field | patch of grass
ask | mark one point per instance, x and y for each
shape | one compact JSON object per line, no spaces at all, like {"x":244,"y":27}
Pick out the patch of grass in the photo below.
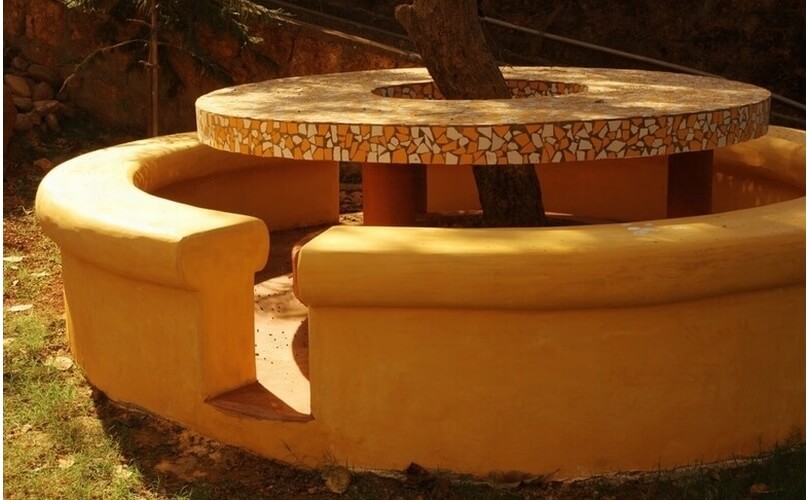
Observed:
{"x":30,"y":394}
{"x":54,"y":445}
{"x":49,"y":450}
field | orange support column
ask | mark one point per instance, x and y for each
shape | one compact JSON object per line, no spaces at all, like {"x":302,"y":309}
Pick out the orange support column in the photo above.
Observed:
{"x":689,"y":184}
{"x":393,"y":194}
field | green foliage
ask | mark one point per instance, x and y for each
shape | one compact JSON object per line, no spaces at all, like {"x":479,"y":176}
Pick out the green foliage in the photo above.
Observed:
{"x":192,"y":20}
{"x":188,"y":17}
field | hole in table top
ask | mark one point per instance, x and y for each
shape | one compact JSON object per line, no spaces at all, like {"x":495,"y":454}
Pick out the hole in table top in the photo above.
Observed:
{"x":520,"y":89}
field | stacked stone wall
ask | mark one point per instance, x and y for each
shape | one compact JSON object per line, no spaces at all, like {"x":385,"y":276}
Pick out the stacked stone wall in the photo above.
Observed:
{"x":33,"y":90}
{"x":114,"y":87}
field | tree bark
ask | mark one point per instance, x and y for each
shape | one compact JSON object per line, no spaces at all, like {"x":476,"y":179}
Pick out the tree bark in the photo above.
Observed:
{"x":450,"y":40}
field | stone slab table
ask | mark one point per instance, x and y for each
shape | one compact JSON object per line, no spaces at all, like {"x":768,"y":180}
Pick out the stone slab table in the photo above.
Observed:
{"x":394,"y":122}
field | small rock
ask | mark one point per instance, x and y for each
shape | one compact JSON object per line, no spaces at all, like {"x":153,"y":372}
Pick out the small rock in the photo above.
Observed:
{"x":35,"y":117}
{"x":61,"y":363}
{"x":122,"y":471}
{"x":66,"y":462}
{"x":18,"y":85}
{"x":759,"y":489}
{"x":53,"y":122}
{"x":185,"y":468}
{"x":20,"y":307}
{"x":42,"y":91}
{"x":337,"y":479}
{"x":507,"y":479}
{"x":417,"y":475}
{"x":90,"y":427}
{"x":22,"y":103}
{"x":44,"y":164}
{"x":47,"y":106}
{"x":19,"y":63}
{"x":43,"y":74}
{"x":23,"y":123}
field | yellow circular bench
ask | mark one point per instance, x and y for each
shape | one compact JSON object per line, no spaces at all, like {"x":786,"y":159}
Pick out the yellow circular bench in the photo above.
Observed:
{"x":643,"y":344}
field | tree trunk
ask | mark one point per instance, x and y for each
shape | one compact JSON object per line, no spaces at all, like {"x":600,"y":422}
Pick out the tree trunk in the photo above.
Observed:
{"x":449,"y":37}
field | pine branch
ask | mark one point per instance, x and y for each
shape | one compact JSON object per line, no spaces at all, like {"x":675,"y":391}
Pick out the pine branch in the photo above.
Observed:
{"x":96,"y":54}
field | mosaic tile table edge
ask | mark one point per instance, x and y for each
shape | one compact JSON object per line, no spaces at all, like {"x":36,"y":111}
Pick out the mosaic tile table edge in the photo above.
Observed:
{"x":484,"y":143}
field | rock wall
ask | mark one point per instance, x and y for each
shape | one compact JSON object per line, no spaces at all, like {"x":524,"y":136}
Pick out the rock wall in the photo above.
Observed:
{"x":114,"y":86}
{"x":32,"y":91}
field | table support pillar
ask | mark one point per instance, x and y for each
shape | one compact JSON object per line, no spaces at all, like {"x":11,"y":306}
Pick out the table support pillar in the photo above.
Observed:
{"x":393,"y":194}
{"x":689,"y":184}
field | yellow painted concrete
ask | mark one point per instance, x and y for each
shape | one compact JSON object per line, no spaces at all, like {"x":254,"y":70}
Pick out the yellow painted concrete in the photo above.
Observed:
{"x":623,"y":190}
{"x":579,"y":391}
{"x":584,"y":350}
{"x":171,"y":281}
{"x":283,"y":194}
{"x":751,"y":174}
{"x":646,"y":344}
{"x":609,"y":265}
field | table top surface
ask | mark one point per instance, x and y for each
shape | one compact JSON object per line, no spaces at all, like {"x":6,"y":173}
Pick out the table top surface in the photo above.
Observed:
{"x":556,"y":115}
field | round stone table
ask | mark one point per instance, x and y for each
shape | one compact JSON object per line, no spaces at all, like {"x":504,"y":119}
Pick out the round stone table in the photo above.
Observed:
{"x":394,"y":122}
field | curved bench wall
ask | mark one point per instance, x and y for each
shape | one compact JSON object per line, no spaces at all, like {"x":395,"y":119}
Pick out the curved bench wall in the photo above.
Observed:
{"x":610,"y":265}
{"x":583,"y":350}
{"x":159,"y":293}
{"x":636,"y":189}
{"x":282,"y":194}
{"x":159,"y":300}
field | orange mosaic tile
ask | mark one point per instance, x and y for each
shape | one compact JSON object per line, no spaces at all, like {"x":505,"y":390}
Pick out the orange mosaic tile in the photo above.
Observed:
{"x":557,"y":115}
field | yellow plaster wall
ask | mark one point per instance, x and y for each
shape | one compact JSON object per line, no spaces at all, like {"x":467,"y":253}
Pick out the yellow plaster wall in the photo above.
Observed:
{"x":755,"y":173}
{"x":160,"y":293}
{"x":574,"y":391}
{"x":760,"y":172}
{"x":282,"y":193}
{"x":580,"y":350}
{"x":126,"y":334}
{"x":625,"y":190}
{"x":607,"y":265}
